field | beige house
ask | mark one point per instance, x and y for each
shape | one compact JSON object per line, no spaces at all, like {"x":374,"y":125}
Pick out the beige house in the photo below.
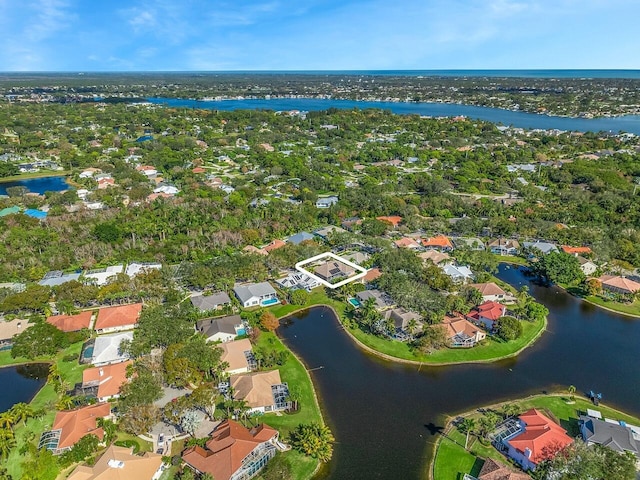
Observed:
{"x":263,"y":391}
{"x":118,"y":463}
{"x":461,"y":332}
{"x":620,"y":285}
{"x":333,"y":270}
{"x":491,"y":292}
{"x":434,"y":256}
{"x":238,"y":355}
{"x":11,"y":328}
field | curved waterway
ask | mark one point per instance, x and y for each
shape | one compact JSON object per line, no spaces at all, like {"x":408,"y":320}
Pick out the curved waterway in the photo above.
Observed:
{"x":20,"y":383}
{"x":627,"y":123}
{"x":386,"y":416}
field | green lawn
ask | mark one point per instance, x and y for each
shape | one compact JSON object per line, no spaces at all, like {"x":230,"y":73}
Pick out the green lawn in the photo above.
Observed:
{"x":493,"y":350}
{"x":25,"y":176}
{"x":452,"y":460}
{"x":294,"y":374}
{"x":45,"y":398}
{"x":513,"y":260}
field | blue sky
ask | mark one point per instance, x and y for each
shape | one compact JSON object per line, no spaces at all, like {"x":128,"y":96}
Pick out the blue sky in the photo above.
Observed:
{"x":116,"y":35}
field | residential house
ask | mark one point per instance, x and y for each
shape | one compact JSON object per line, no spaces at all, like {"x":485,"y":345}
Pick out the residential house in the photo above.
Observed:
{"x":492,"y":470}
{"x":148,"y":170}
{"x":458,"y":273}
{"x":394,"y":220}
{"x":407,"y":242}
{"x":239,"y":355}
{"x":380,"y":300}
{"x":491,"y":292}
{"x":538,"y":438}
{"x":105,"y":382}
{"x":263,"y":391}
{"x":106,"y":349}
{"x":614,"y":435}
{"x":14,"y":287}
{"x":473,"y":243}
{"x":587,"y":266}
{"x":434,"y":256}
{"x":325,"y":232}
{"x":300,"y":237}
{"x":326,"y":202}
{"x":298,"y":281}
{"x":71,"y":323}
{"x":576,"y":250}
{"x":70,"y":426}
{"x":11,"y":328}
{"x":136,"y":268}
{"x":118,"y":318}
{"x":372,"y":275}
{"x":351,"y":222}
{"x":214,"y":301}
{"x":406,"y":323}
{"x":118,"y":463}
{"x":222,"y":329}
{"x":233,"y":451}
{"x":56,"y":277}
{"x":487,"y":313}
{"x":355,"y":257}
{"x":544,"y":247}
{"x":461,"y":332}
{"x":101,"y":276}
{"x":254,"y":294}
{"x":439,"y":242}
{"x":274,"y":245}
{"x":333,"y":270}
{"x":504,"y":246}
{"x":617,"y":284}
{"x":250,"y":249}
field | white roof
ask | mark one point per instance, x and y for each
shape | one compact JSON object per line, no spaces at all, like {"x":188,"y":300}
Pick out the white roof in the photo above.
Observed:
{"x":594,"y":413}
{"x":105,"y":349}
{"x":134,"y":268}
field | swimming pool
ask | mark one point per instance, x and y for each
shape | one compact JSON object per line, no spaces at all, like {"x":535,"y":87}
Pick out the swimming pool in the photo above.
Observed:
{"x":355,"y":302}
{"x":269,"y":301}
{"x":88,"y":352}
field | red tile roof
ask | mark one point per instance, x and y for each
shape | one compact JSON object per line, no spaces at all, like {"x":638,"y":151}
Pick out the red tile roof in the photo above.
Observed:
{"x":620,"y":283}
{"x":543,"y":437}
{"x":394,"y":220}
{"x":198,"y":170}
{"x":372,"y":274}
{"x":109,"y":377}
{"x":71,"y":323}
{"x":576,"y":250}
{"x":440,"y":241}
{"x":407,"y":242}
{"x":491,"y":310}
{"x":75,"y":424}
{"x":230,"y":443}
{"x":120,"y":316}
{"x":274,"y":245}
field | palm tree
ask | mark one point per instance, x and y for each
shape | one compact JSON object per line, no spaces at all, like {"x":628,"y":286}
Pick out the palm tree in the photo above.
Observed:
{"x":7,"y":442}
{"x":571,"y":390}
{"x":21,"y":412}
{"x":467,"y":426}
{"x":7,"y":420}
{"x":65,"y":403}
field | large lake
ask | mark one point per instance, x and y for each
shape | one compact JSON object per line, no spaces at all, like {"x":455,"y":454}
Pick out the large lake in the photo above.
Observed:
{"x":629,"y":123}
{"x":386,"y":415}
{"x":21,"y":383}
{"x":37,"y":185}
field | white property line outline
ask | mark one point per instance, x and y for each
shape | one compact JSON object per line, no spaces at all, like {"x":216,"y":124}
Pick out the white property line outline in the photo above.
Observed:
{"x":363,"y":271}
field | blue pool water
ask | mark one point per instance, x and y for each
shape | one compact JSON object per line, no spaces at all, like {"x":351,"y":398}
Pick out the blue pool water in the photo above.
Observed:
{"x":270,"y":301}
{"x":354,"y":302}
{"x":241,"y":331}
{"x":88,"y":352}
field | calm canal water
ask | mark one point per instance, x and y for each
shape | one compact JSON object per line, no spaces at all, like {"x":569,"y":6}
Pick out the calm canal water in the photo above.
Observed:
{"x":628,"y":123}
{"x":386,"y":416}
{"x":37,"y":185}
{"x":21,"y":383}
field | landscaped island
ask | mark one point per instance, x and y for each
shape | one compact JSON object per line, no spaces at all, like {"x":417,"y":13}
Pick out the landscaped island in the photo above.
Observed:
{"x":528,"y":434}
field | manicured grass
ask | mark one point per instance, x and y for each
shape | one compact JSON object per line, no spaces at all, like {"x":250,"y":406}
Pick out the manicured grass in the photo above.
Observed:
{"x":452,"y":460}
{"x":631,"y":308}
{"x":26,"y":176}
{"x":513,"y":259}
{"x":316,"y":297}
{"x":295,"y":375}
{"x":494,"y":348}
{"x":143,"y":445}
{"x":44,"y":399}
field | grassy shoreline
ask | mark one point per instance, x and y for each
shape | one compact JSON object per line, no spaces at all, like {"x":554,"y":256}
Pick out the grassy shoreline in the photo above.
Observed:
{"x":450,"y":458}
{"x":29,"y":176}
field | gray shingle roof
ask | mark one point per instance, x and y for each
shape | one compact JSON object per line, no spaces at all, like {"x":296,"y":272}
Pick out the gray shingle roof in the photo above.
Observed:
{"x":246,"y":292}
{"x":210,"y":302}
{"x":611,"y":435}
{"x":211,"y":326}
